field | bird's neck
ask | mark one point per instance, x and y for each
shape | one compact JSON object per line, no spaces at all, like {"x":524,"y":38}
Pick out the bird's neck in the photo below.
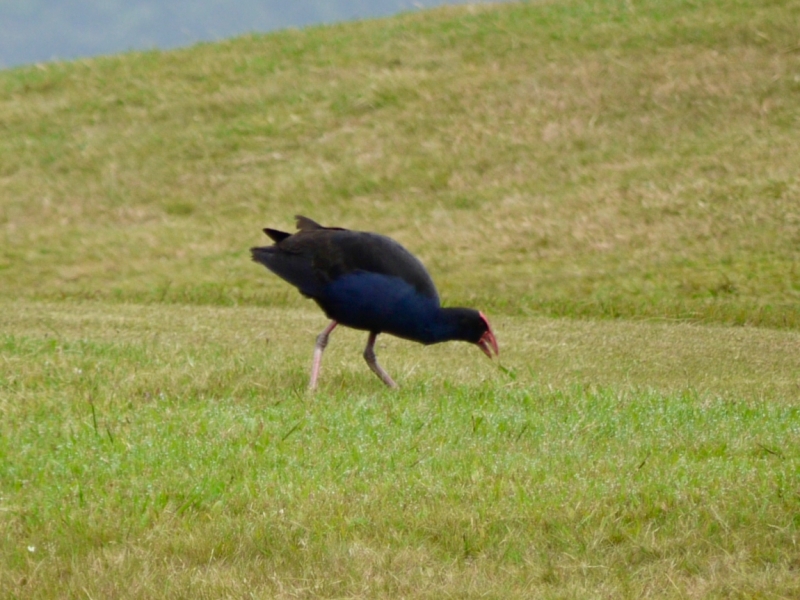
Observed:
{"x":445,"y":326}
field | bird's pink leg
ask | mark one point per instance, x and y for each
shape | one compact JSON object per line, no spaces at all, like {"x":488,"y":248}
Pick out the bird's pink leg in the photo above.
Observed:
{"x":372,"y":361}
{"x":322,"y":341}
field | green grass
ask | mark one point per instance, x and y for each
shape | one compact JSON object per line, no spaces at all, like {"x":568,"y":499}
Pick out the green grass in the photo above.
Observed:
{"x":164,"y":451}
{"x":630,"y":166}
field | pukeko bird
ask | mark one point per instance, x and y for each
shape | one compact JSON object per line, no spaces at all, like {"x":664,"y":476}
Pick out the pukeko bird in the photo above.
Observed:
{"x":370,"y":282}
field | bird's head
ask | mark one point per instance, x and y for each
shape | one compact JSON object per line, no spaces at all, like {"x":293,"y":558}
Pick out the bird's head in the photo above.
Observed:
{"x":472,"y":326}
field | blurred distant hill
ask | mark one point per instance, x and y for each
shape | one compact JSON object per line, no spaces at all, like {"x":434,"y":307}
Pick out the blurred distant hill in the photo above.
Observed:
{"x":41,"y":30}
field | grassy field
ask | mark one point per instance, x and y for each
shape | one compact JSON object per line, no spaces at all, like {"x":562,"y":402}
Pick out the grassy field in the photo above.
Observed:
{"x":172,"y":451}
{"x":614,"y":183}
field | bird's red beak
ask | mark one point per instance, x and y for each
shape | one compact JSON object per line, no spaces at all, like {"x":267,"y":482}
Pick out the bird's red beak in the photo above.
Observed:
{"x":488,"y":342}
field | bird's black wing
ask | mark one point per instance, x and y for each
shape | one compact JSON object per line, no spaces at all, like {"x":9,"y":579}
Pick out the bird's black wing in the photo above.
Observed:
{"x":317,"y":255}
{"x":345,"y":252}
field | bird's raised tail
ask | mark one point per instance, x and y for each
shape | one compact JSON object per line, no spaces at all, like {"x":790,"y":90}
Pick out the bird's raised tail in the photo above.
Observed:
{"x":303,"y":224}
{"x":276,"y":236}
{"x":262,"y":255}
{"x":294,"y":268}
{"x":306,"y":224}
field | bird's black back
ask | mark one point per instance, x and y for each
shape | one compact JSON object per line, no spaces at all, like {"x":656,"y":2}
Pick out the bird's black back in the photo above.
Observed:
{"x":316,"y":256}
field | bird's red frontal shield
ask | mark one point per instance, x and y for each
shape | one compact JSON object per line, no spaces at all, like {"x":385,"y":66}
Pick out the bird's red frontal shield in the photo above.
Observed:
{"x":488,"y":342}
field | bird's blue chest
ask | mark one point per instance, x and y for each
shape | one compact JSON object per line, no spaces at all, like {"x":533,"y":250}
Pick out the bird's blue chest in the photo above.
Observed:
{"x":380,"y":303}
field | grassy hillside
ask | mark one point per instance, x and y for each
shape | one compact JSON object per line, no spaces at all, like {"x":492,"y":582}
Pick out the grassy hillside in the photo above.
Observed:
{"x":566,"y":158}
{"x":635,"y":160}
